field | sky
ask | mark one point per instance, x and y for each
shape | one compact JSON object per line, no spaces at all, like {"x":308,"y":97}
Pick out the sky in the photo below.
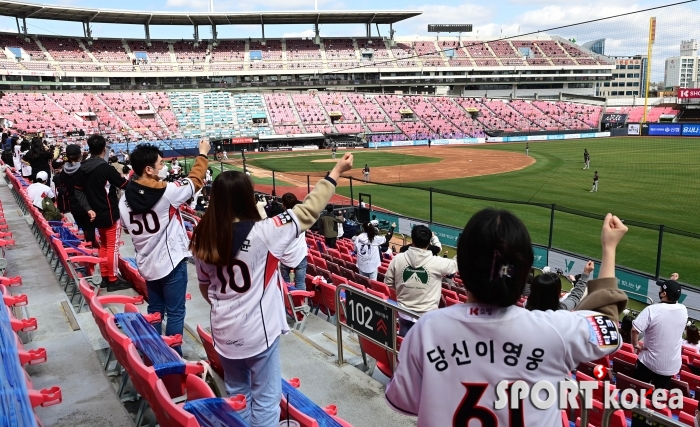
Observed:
{"x":625,"y":35}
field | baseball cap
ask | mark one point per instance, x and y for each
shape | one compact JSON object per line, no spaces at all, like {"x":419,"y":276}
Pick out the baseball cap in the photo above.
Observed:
{"x":42,"y":176}
{"x":73,"y":150}
{"x":671,"y":287}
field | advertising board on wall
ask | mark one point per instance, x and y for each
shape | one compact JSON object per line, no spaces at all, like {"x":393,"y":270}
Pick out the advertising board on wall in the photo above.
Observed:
{"x":690,"y":130}
{"x":634,"y":129}
{"x":664,"y":129}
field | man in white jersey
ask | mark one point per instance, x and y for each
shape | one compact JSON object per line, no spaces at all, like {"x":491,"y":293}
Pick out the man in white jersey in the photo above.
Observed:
{"x":663,"y":325}
{"x":150,"y":211}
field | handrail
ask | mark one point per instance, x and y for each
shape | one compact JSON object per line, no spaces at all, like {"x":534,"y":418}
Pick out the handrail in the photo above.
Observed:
{"x":650,"y":301}
{"x":339,"y":325}
{"x":584,"y":410}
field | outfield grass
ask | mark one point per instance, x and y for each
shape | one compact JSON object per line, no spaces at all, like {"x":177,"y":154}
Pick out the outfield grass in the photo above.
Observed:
{"x":216,"y":168}
{"x":309,"y":163}
{"x":652,"y":180}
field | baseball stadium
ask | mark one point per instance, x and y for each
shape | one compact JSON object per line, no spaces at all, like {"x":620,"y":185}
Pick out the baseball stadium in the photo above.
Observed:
{"x":135,"y":165}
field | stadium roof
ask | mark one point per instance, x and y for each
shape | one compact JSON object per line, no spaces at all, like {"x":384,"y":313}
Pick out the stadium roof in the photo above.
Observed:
{"x":18,"y":9}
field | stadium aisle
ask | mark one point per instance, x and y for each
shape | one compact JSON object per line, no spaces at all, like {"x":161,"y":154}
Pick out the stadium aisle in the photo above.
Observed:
{"x":88,"y":397}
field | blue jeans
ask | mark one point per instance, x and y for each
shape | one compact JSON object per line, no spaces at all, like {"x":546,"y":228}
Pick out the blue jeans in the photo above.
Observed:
{"x":259,"y":379}
{"x":372,"y":276}
{"x":299,"y":274}
{"x":167,"y":297}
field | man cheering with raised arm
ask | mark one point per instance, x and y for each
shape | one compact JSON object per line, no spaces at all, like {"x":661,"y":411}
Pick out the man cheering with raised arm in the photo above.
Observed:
{"x":150,"y":211}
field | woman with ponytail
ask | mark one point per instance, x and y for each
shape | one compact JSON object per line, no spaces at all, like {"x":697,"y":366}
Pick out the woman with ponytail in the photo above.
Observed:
{"x":456,"y":364}
{"x":367,"y":249}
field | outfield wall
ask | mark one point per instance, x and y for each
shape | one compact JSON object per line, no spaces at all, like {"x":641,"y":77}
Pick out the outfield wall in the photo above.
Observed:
{"x":556,"y":137}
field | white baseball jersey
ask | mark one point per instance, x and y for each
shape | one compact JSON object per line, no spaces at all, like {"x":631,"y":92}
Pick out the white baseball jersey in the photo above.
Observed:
{"x":368,"y":257}
{"x":452,"y":360}
{"x":663,"y":325}
{"x":296,"y":252}
{"x":37,"y":191}
{"x":159,"y":235}
{"x":247,"y":306}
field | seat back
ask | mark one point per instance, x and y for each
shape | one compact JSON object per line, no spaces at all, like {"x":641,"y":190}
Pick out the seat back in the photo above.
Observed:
{"x":171,"y":414}
{"x":692,"y":379}
{"x":212,"y":355}
{"x":686,"y":419}
{"x":334,"y":268}
{"x":347,"y":273}
{"x":381,"y":287}
{"x":364,"y":281}
{"x":681,"y":385}
{"x":627,"y":357}
{"x":337,"y":279}
{"x":622,"y":367}
{"x":623,"y":382}
{"x":380,"y":354}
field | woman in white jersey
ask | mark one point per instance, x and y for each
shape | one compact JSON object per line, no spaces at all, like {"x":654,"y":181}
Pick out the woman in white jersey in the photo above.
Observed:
{"x":454,"y":361}
{"x":367,"y":250}
{"x":237,"y":259}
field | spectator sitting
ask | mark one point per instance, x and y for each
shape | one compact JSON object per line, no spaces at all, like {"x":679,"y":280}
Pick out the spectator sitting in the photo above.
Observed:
{"x":37,"y":191}
{"x":417,"y":277}
{"x":545,"y":291}
{"x":663,"y":325}
{"x":692,"y":336}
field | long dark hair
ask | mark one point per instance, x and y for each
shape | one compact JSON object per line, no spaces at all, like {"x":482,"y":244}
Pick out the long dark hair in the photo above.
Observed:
{"x":232,"y":199}
{"x":544,"y":292}
{"x":691,"y":334}
{"x":494,"y":257}
{"x":370,"y":230}
{"x":36,"y":148}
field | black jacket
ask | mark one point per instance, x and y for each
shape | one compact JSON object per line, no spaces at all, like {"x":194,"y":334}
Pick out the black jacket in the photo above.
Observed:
{"x":96,"y":189}
{"x":68,"y":178}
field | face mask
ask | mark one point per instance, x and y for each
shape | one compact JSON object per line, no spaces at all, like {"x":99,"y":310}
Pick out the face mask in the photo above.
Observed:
{"x":163,"y":173}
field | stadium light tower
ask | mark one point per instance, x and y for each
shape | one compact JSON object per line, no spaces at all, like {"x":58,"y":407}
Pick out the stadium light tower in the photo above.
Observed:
{"x":211,"y":5}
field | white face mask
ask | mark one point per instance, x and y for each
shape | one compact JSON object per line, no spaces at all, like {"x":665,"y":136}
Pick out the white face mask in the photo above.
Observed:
{"x":163,"y":173}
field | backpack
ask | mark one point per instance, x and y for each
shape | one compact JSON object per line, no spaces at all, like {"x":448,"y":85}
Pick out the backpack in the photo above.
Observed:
{"x":49,"y":210}
{"x":62,"y":201}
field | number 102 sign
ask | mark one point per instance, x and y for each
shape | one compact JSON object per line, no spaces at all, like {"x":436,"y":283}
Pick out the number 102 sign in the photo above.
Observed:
{"x":369,"y":317}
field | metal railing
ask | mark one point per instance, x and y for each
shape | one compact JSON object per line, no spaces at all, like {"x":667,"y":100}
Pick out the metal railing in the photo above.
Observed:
{"x":395,"y":309}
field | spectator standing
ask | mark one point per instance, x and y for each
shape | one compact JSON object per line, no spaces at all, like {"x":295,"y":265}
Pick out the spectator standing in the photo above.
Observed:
{"x":545,"y":291}
{"x":692,"y":336}
{"x":16,"y":156}
{"x":417,"y":277}
{"x":68,"y":179}
{"x":236,"y":255}
{"x":453,"y":358}
{"x":294,"y":258}
{"x":96,"y":190}
{"x":39,"y":157}
{"x":150,"y":211}
{"x":367,"y":249}
{"x":365,"y":172}
{"x":663,"y":325}
{"x":26,"y":167}
{"x":329,"y":226}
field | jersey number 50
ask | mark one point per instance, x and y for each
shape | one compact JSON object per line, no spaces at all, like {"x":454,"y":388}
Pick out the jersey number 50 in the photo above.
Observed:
{"x":145,"y":225}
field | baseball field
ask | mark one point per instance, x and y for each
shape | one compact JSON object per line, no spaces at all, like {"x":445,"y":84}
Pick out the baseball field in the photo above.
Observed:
{"x":648,"y":180}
